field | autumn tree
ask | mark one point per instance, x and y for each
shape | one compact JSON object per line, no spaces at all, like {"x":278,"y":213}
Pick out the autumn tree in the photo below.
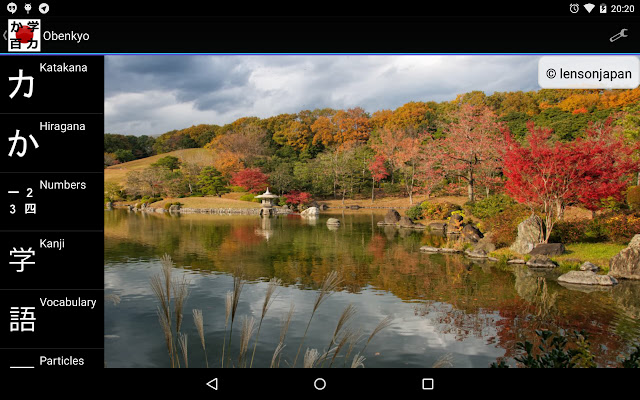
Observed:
{"x":548,"y":176}
{"x":297,"y":198}
{"x":146,"y":182}
{"x":473,"y":143}
{"x":251,"y":179}
{"x":352,"y":125}
{"x":378,"y":173}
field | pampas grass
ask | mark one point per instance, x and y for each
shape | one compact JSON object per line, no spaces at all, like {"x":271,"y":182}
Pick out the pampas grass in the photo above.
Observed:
{"x":248,"y":326}
{"x":330,"y":283}
{"x":228,"y":304}
{"x":346,"y":315}
{"x":310,"y":358}
{"x":382,"y":325}
{"x":238,"y":284}
{"x":285,"y":322}
{"x":163,"y":286}
{"x":276,"y":355}
{"x":182,"y":341}
{"x":172,"y":294}
{"x":358,"y":361}
{"x":269,"y":298}
{"x":446,"y":361}
{"x":199,"y":321}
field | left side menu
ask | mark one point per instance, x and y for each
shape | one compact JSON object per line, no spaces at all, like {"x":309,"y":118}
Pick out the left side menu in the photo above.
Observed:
{"x":51,"y":229}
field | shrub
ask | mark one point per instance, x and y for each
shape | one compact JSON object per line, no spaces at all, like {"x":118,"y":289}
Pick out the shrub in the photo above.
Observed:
{"x":247,"y":197}
{"x":490,"y":206}
{"x":414,"y":212}
{"x":569,"y":231}
{"x":619,"y":228}
{"x":504,"y":226}
{"x":633,"y":198}
{"x":622,"y":227}
{"x":438,"y":210}
{"x":175,"y":203}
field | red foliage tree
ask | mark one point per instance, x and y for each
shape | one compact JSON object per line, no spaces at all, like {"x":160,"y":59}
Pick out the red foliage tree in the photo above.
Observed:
{"x":251,"y":179}
{"x":549,"y":176}
{"x":378,"y":172}
{"x":296,"y":197}
{"x":473,"y":146}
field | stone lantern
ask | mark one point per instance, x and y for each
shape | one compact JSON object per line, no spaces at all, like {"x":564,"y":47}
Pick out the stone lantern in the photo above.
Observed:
{"x":267,"y":203}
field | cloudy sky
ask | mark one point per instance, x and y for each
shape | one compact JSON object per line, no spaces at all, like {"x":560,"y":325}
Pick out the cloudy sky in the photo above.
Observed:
{"x":150,"y":95}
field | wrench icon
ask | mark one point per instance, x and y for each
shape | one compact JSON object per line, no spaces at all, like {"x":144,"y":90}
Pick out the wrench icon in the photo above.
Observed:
{"x":618,"y":35}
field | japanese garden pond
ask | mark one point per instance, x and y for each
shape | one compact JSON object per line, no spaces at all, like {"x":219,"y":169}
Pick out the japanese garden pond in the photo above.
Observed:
{"x":471,"y":312}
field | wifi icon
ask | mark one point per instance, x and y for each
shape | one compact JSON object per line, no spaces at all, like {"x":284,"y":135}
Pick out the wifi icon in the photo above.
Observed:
{"x":589,"y":7}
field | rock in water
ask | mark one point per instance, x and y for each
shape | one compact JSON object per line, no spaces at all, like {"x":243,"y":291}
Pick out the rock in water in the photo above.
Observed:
{"x":587,"y":266}
{"x":626,"y":264}
{"x":438,"y":226}
{"x":333,"y":222}
{"x":587,"y":278}
{"x":310,"y":212}
{"x":429,"y":249}
{"x":476,"y":254}
{"x":406,"y":222}
{"x":471,"y":233}
{"x":392,"y":217}
{"x":541,"y":262}
{"x":548,"y":249}
{"x":530,"y":233}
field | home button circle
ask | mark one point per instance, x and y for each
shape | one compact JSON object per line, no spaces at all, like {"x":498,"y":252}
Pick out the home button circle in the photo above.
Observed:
{"x":319,"y":384}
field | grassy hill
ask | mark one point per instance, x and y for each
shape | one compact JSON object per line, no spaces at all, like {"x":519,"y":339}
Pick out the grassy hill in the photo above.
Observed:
{"x":118,"y":173}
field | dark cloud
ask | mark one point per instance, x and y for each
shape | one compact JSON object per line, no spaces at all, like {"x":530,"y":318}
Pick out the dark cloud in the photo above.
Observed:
{"x":155,"y":94}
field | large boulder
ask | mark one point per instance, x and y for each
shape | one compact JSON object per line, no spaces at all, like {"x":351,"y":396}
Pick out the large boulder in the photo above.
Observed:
{"x":471,"y":233}
{"x":455,"y":223}
{"x":310,"y":212}
{"x":392,"y":217}
{"x":485,"y":244}
{"x":626,"y":264}
{"x":530,"y":233}
{"x":587,"y":278}
{"x":548,"y":249}
{"x":541,"y":262}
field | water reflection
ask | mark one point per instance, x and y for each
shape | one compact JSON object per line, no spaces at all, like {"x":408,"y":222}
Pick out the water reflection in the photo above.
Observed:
{"x":441,"y":304}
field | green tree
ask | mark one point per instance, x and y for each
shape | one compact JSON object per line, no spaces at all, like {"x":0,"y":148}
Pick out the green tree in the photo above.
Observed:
{"x":124,"y":155}
{"x":169,"y":162}
{"x":212,"y":182}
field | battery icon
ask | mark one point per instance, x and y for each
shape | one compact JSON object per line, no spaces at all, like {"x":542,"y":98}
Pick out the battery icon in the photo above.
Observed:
{"x":603,"y":8}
